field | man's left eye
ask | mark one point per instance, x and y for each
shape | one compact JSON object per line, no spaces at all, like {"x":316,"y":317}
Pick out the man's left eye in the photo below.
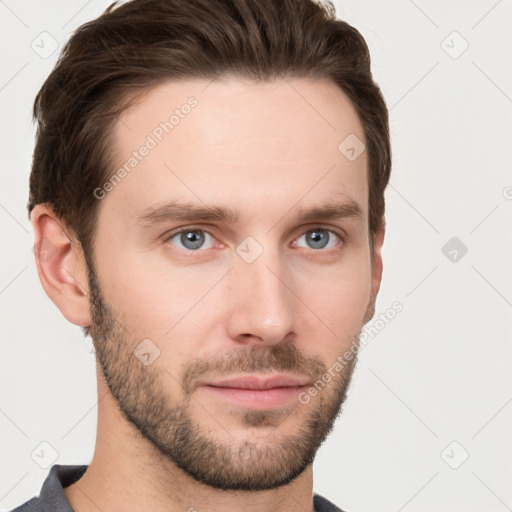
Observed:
{"x":320,"y":238}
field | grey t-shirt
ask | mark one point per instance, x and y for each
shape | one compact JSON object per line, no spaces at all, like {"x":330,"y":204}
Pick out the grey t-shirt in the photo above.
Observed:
{"x":52,"y":497}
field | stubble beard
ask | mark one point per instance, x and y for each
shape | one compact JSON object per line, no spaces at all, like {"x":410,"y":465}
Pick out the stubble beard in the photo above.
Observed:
{"x":222,"y":461}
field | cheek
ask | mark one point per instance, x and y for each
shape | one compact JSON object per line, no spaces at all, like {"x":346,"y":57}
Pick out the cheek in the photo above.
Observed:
{"x":336,"y":304}
{"x":154,"y":297}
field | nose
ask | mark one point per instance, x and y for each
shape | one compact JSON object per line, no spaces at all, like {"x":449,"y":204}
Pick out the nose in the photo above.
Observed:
{"x":261,"y":301}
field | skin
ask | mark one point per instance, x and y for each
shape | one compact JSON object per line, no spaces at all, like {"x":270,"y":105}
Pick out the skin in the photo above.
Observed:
{"x":164,"y":442}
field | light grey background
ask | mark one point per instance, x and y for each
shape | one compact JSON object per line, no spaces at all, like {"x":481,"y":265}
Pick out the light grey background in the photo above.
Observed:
{"x":438,"y":373}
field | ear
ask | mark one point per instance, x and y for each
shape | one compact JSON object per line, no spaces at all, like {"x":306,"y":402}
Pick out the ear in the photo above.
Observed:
{"x":376,"y":270}
{"x":61,"y":266}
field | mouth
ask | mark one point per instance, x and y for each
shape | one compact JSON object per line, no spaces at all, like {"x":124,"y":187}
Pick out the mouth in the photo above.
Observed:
{"x":258,"y":392}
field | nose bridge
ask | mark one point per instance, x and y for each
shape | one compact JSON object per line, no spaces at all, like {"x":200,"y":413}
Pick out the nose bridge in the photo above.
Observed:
{"x":261,"y":301}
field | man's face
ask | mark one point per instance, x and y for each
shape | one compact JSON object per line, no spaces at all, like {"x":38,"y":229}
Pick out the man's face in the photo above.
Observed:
{"x":267,"y":295}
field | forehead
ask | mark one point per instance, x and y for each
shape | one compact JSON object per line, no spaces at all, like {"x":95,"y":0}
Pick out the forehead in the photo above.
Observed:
{"x":240,"y":143}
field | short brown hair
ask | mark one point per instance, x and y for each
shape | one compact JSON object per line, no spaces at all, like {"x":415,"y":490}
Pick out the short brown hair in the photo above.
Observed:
{"x":108,"y":62}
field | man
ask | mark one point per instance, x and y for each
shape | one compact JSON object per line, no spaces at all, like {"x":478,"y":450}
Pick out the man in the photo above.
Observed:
{"x":207,"y":197}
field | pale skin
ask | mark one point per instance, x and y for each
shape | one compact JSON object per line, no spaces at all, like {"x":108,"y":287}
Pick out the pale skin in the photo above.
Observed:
{"x":260,"y":149}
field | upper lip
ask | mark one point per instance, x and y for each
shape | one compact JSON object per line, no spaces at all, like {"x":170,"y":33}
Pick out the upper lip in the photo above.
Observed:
{"x":260,"y":382}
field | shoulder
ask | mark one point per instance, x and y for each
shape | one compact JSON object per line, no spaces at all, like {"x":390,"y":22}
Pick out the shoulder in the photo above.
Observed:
{"x":322,"y":504}
{"x":52,"y":496}
{"x":32,"y":505}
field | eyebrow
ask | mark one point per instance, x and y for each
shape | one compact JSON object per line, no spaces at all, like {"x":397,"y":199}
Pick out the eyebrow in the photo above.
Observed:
{"x":190,"y":212}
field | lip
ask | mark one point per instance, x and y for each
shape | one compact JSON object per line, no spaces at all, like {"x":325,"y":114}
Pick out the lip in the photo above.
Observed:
{"x":261,"y":382}
{"x":257,"y":392}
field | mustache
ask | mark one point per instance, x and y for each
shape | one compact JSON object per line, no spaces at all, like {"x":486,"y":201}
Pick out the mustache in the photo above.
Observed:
{"x":281,"y":358}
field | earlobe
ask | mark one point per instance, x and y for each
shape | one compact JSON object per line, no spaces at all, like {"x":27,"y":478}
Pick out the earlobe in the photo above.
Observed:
{"x":61,"y":266}
{"x":376,"y":270}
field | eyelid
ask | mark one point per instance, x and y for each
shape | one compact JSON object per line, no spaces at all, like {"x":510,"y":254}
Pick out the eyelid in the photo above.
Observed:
{"x":337,"y":230}
{"x":177,"y":231}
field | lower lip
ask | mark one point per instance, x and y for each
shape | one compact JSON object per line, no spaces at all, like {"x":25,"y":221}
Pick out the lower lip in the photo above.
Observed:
{"x":257,"y":398}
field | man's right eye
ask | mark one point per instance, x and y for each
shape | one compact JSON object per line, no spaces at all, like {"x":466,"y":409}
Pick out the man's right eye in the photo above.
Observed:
{"x":191,"y":239}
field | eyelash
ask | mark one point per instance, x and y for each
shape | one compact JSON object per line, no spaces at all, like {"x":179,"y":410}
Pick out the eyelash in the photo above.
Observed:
{"x":338,"y":247}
